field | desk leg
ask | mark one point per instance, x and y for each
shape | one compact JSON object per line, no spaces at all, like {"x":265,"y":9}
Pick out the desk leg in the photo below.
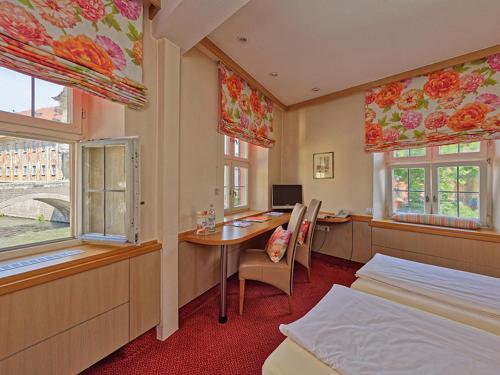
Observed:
{"x":223,"y":284}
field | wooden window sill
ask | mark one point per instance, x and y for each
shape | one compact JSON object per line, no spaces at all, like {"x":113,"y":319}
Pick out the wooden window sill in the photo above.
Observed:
{"x":92,"y":256}
{"x":480,"y":234}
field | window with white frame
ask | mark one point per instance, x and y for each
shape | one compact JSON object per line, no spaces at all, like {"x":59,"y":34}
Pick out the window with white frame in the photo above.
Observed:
{"x":110,"y":192}
{"x":449,"y":180}
{"x":236,"y":175}
{"x":64,"y":208}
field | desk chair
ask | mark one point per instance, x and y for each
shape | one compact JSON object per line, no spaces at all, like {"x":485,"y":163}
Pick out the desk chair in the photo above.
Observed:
{"x":256,"y":265}
{"x":304,"y":251}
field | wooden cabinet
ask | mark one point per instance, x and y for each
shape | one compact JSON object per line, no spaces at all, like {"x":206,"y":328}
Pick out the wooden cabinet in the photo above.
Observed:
{"x":65,"y":325}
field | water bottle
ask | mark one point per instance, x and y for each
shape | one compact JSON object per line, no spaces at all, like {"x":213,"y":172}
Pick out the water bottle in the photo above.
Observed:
{"x":211,"y":219}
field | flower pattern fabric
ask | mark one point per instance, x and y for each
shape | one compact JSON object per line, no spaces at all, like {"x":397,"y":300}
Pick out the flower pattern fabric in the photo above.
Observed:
{"x":245,"y":113}
{"x":454,"y":105}
{"x":93,"y":45}
{"x":277,"y":244}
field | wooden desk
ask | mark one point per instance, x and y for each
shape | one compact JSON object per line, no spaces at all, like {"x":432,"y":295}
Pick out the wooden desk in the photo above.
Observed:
{"x":226,"y":235}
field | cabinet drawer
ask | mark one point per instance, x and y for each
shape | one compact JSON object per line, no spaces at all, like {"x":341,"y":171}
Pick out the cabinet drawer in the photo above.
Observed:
{"x":31,"y":315}
{"x":74,"y":350}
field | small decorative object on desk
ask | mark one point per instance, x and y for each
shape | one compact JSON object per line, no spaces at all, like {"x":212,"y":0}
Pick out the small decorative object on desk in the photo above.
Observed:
{"x":201,"y":222}
{"x":239,"y":224}
{"x":323,"y":165}
{"x":274,"y":213}
{"x":211,"y":219}
{"x":257,"y":219}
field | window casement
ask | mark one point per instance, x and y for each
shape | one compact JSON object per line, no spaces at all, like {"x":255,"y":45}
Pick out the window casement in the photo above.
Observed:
{"x":236,"y":175}
{"x":449,"y":180}
{"x":110,"y":190}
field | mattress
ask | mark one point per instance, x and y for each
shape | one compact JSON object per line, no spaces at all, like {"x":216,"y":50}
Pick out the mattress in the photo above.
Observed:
{"x":465,"y":290}
{"x":291,"y":359}
{"x":358,"y":333}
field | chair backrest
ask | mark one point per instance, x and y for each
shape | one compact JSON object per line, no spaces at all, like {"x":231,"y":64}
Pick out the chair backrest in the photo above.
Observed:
{"x":294,"y":226}
{"x":312,"y":216}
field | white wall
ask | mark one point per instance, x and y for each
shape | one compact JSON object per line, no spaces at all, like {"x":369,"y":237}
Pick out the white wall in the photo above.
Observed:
{"x":496,"y":187}
{"x":333,"y":126}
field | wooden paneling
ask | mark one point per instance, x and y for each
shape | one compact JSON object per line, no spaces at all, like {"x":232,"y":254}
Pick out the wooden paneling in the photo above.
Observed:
{"x":74,"y":350}
{"x":144,"y":293}
{"x":94,"y":256}
{"x":463,"y":250}
{"x":361,"y":242}
{"x":31,"y":315}
{"x":397,"y":77}
{"x":338,"y":241}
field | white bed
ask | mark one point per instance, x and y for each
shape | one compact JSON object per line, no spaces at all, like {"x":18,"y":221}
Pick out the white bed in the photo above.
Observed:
{"x":465,"y":297}
{"x":350,"y":332}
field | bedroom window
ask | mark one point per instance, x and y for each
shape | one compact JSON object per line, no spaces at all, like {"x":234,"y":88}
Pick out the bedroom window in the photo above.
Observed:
{"x":236,"y":175}
{"x":447,"y":180}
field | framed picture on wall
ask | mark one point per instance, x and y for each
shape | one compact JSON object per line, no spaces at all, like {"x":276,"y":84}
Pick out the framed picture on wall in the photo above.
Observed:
{"x":323,"y":165}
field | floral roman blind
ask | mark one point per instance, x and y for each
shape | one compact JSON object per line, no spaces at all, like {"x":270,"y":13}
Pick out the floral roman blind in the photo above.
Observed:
{"x":245,"y":113}
{"x":93,"y":45}
{"x":455,"y":105}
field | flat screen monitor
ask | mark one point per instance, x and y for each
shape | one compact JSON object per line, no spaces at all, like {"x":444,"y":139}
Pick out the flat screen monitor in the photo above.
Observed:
{"x":285,"y":196}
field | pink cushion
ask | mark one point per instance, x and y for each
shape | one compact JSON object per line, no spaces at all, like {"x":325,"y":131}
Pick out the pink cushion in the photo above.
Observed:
{"x":440,"y":220}
{"x":304,"y":228}
{"x":277,"y":244}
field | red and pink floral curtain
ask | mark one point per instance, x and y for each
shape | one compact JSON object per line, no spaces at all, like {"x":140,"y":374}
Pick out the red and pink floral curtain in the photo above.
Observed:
{"x":455,"y":105}
{"x":93,"y":45}
{"x":245,"y":113}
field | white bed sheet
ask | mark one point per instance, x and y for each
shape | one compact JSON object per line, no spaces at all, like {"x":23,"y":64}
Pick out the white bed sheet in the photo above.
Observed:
{"x":357,"y":333}
{"x":421,"y":302}
{"x":466,"y":290}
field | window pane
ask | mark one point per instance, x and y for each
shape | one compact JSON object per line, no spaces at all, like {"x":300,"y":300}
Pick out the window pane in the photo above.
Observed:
{"x":93,"y":159}
{"x":448,"y":204}
{"x":400,"y":179}
{"x":17,"y":98}
{"x":93,"y":212}
{"x":226,"y":187}
{"x":240,"y":149}
{"x":227,"y":145}
{"x":417,"y":202}
{"x":448,"y":149}
{"x":115,"y":214}
{"x":460,"y":148}
{"x":417,"y":179}
{"x":468,"y":179}
{"x":115,"y":167}
{"x":401,"y":203}
{"x":417,"y":152}
{"x":401,"y":153}
{"x":35,"y":207}
{"x":240,"y":197}
{"x":469,"y":205}
{"x":51,"y":101}
{"x":448,"y":178}
{"x":237,"y":143}
{"x":470,"y":147}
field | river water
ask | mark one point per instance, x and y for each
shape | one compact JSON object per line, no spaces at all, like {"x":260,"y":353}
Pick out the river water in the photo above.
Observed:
{"x":16,"y":231}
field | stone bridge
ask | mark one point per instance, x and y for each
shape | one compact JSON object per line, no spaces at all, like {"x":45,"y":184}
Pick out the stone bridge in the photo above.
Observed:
{"x":16,"y":198}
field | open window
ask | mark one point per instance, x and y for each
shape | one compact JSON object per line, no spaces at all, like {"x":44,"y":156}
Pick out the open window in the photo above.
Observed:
{"x":110,"y":190}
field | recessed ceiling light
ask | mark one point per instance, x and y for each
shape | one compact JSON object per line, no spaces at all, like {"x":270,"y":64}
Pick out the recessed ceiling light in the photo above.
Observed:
{"x":315,"y":89}
{"x":274,"y":74}
{"x":242,"y":39}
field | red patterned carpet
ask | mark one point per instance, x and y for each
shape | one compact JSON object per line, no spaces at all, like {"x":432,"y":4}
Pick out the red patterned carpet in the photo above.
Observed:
{"x":203,"y":346}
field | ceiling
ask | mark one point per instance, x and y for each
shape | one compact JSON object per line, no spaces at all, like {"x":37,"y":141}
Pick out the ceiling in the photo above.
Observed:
{"x":337,"y":44}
